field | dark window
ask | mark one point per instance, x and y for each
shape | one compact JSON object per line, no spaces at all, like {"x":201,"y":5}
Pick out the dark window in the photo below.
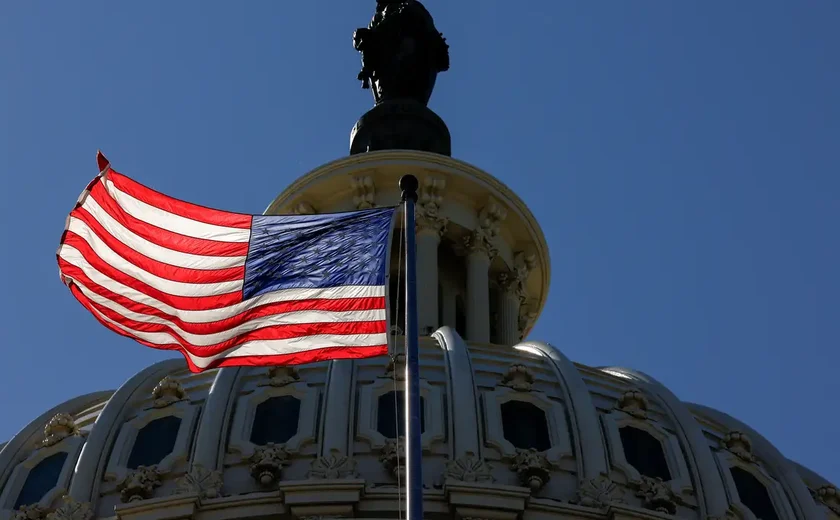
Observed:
{"x":644,"y":452}
{"x":276,"y":420}
{"x":396,"y":294}
{"x":753,"y":494}
{"x":154,"y":441}
{"x":42,"y":478}
{"x":460,"y":317}
{"x":389,"y":408}
{"x":525,"y":426}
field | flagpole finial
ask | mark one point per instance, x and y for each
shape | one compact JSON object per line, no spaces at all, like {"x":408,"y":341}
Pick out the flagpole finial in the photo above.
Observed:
{"x":409,"y":185}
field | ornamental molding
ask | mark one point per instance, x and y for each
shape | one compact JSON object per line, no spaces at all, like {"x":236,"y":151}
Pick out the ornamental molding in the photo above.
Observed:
{"x":469,"y":468}
{"x":633,"y":402}
{"x":30,"y":512}
{"x":364,"y":191}
{"x":58,"y":428}
{"x":334,"y":466}
{"x":739,"y":444}
{"x":427,"y":210}
{"x":279,"y":376}
{"x":528,"y":313}
{"x":167,"y":392}
{"x":267,"y":464}
{"x":599,"y":493}
{"x":523,"y":264}
{"x":726,"y":460}
{"x":532,"y":468}
{"x":9,"y":491}
{"x":613,"y":422}
{"x":303,"y":208}
{"x":518,"y":377}
{"x":117,"y":468}
{"x":396,"y":368}
{"x":69,"y":509}
{"x":392,"y":457}
{"x":139,"y":484}
{"x":483,"y":237}
{"x":656,"y":495}
{"x":829,"y":496}
{"x":200,"y":481}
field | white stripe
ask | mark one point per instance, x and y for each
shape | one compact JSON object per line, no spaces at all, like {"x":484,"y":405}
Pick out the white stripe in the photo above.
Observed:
{"x":154,"y":251}
{"x":205,"y":316}
{"x":272,"y":347}
{"x":172,"y":222}
{"x":205,"y":340}
{"x":162,"y":284}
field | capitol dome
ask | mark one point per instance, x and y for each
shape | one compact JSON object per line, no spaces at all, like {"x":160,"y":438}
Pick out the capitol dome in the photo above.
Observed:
{"x":511,"y":428}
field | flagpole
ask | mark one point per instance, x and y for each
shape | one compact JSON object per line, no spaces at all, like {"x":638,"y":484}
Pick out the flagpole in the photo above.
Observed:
{"x":413,"y":449}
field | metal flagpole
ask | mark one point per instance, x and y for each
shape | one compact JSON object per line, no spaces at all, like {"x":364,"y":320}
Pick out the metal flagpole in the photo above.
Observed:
{"x":414,"y":453}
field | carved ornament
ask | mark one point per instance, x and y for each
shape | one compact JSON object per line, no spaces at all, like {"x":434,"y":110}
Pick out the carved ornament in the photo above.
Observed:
{"x":633,"y":402}
{"x":527,"y":316}
{"x":393,"y":457}
{"x":364,"y":192}
{"x":599,"y":492}
{"x":71,"y":510}
{"x":483,"y":237}
{"x":30,"y":512}
{"x":532,"y":468}
{"x":267,"y":463}
{"x":829,"y":496}
{"x":656,"y":495}
{"x":469,"y":468}
{"x":168,"y":391}
{"x":139,"y":484}
{"x":739,"y":444}
{"x":200,"y":481}
{"x":303,"y":208}
{"x":396,"y":367}
{"x":519,"y":377}
{"x":427,"y":210}
{"x":334,"y":466}
{"x":280,"y":376}
{"x":59,"y":428}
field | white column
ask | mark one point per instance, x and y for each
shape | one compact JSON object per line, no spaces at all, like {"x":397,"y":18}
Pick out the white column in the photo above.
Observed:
{"x":508,"y":310}
{"x":428,"y":239}
{"x":478,"y":290}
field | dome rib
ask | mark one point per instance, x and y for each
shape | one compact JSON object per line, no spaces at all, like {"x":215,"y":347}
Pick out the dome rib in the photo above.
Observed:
{"x":782,"y":469}
{"x":465,"y":422}
{"x":91,"y":464}
{"x":702,"y":465}
{"x":10,"y":454}
{"x":586,"y":429}
{"x":215,"y":419}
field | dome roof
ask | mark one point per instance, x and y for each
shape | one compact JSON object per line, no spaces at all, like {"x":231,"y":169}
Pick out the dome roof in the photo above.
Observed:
{"x":511,"y":428}
{"x":321,"y":440}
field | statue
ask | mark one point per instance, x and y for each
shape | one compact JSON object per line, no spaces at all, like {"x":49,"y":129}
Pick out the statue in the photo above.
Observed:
{"x":402,"y":52}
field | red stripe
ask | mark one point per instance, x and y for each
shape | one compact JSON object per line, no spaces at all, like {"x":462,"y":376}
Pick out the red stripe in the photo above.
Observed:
{"x":166,"y":271}
{"x":187,"y":303}
{"x":273,"y":332}
{"x":164,"y":237}
{"x":178,"y":207}
{"x":348,"y":304}
{"x":311,"y":356}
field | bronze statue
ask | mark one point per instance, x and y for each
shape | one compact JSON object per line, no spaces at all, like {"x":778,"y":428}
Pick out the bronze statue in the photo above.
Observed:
{"x":402,"y":52}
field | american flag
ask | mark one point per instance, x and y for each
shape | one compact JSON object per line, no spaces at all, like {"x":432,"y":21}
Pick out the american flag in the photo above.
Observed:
{"x":227,"y":289}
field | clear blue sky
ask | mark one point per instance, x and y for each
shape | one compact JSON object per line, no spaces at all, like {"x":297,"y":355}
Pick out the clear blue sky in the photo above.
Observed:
{"x":682,"y":157}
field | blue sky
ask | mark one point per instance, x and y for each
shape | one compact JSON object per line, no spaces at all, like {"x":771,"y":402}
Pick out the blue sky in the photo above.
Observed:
{"x":682,"y":157}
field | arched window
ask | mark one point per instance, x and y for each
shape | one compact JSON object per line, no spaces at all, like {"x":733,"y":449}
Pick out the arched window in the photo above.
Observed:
{"x":460,"y":316}
{"x":276,"y":420}
{"x":644,"y":452}
{"x":154,"y":442}
{"x":525,"y":426}
{"x":753,"y":494}
{"x":390,"y":415}
{"x":42,"y":478}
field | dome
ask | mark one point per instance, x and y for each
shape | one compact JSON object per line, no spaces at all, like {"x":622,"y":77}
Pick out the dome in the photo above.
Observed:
{"x":511,"y":427}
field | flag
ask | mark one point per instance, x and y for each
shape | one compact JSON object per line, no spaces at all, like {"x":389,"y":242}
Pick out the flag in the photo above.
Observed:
{"x":228,"y":289}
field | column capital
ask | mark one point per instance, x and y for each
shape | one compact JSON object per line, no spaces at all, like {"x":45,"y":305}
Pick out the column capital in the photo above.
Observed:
{"x":427,"y":210}
{"x":527,"y":316}
{"x":364,"y":191}
{"x":479,"y":242}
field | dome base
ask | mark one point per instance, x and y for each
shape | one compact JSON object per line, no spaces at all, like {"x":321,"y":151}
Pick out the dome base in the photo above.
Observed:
{"x":402,"y":124}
